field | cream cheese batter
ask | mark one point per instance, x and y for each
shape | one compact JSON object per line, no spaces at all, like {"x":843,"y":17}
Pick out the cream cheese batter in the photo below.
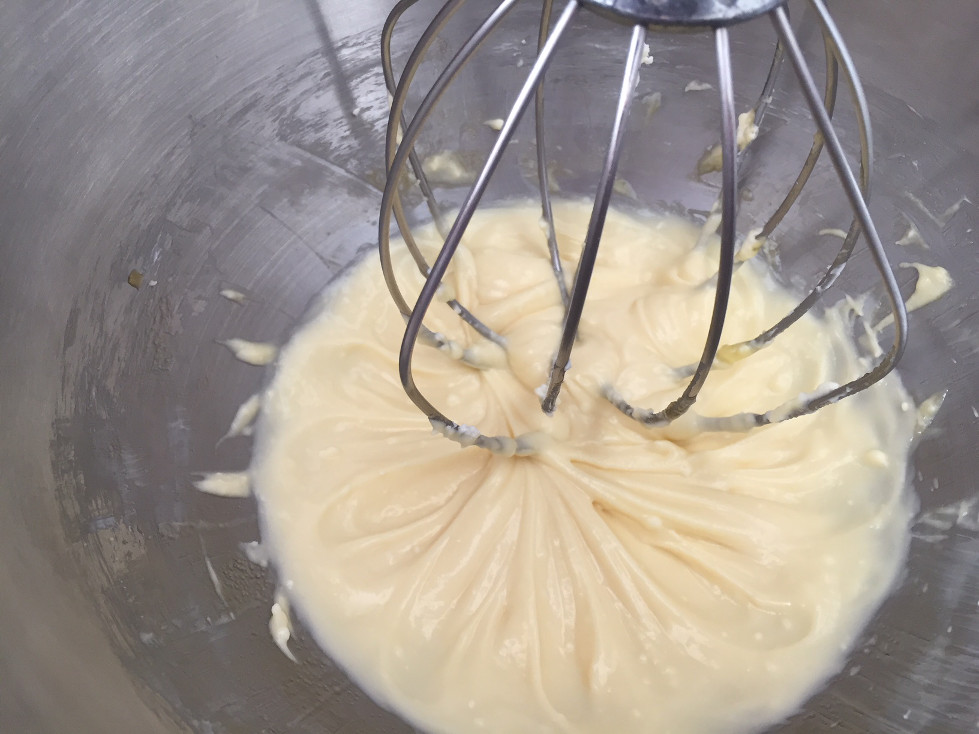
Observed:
{"x":622,"y":579}
{"x":256,"y":353}
{"x":225,"y":484}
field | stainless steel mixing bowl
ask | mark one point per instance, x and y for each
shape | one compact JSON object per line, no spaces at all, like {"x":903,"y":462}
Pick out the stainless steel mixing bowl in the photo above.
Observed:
{"x":236,"y":143}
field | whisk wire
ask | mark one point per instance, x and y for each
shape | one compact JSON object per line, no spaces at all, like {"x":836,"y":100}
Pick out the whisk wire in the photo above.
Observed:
{"x":390,"y":200}
{"x":543,"y":176}
{"x":442,"y":17}
{"x":733,"y":352}
{"x":589,"y":253}
{"x":722,"y":292}
{"x":852,"y":189}
{"x":829,"y":101}
{"x":466,"y":433}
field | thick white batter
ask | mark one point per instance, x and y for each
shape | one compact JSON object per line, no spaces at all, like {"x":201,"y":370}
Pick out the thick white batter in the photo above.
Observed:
{"x":623,"y":580}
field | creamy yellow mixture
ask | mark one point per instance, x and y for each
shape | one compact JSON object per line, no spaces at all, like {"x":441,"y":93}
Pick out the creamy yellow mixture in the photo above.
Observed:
{"x":623,"y":580}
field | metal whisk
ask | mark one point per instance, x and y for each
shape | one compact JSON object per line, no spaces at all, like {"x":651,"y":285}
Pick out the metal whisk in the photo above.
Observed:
{"x":637,"y":16}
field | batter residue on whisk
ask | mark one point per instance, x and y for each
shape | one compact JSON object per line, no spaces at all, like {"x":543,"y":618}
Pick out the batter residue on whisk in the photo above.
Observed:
{"x":622,"y":580}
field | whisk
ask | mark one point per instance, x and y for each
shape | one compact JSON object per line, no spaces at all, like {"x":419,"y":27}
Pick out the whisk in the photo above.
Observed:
{"x":636,"y":17}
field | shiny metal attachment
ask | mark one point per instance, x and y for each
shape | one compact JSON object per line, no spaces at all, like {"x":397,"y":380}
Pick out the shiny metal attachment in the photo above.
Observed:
{"x":637,"y":17}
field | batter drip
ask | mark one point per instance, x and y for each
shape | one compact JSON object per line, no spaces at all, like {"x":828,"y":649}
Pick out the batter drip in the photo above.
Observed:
{"x":622,"y":579}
